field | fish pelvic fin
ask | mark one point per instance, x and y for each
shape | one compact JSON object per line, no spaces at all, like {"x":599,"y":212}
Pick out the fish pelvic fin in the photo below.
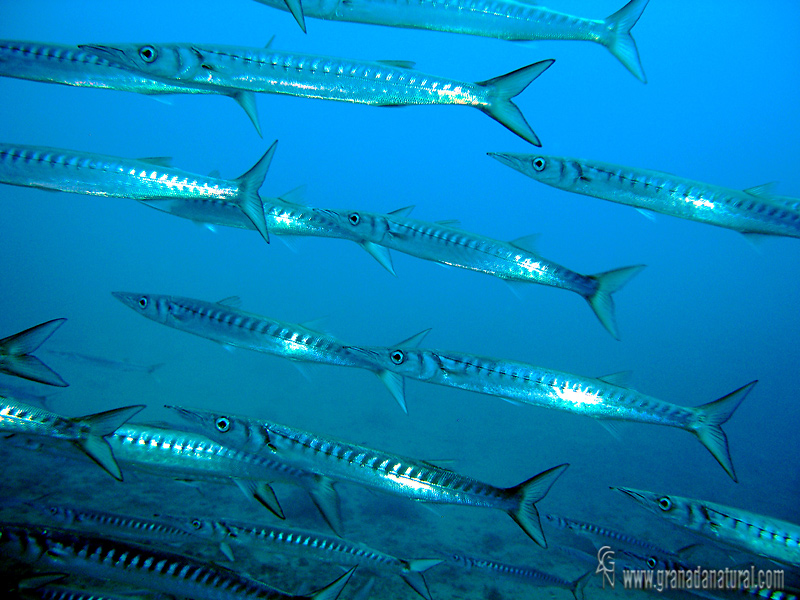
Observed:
{"x":528,"y":493}
{"x":502,"y":89}
{"x":620,"y":42}
{"x":412,"y":574}
{"x":708,"y":421}
{"x":601,"y":300}
{"x":250,"y":202}
{"x":99,"y":425}
{"x":333,"y":589}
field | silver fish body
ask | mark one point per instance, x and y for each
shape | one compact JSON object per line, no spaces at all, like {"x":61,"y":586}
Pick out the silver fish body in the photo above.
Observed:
{"x":758,"y":534}
{"x":382,"y":471}
{"x":62,"y":170}
{"x":548,"y":388}
{"x":750,"y":211}
{"x":88,"y":433}
{"x":512,"y":261}
{"x":504,"y":19}
{"x":264,"y":70}
{"x":130,"y":564}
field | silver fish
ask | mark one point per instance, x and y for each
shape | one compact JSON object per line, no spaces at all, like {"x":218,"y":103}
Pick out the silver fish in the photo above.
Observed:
{"x":16,"y":358}
{"x":105,"y":363}
{"x":61,"y":170}
{"x":382,"y":471}
{"x":228,"y":325}
{"x":515,"y":261}
{"x":601,"y":398}
{"x":258,"y":539}
{"x":87,"y":433}
{"x":390,"y":83}
{"x":70,"y":65}
{"x":121,"y":562}
{"x":505,"y":19}
{"x":595,"y":532}
{"x":758,"y":534}
{"x":753,"y":211}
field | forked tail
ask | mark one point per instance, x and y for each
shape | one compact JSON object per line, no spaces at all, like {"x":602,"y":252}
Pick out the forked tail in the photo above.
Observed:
{"x":707,"y":425}
{"x":528,"y":493}
{"x":620,"y":42}
{"x":100,"y":425}
{"x":601,"y":301}
{"x":249,"y":201}
{"x":412,"y":574}
{"x":16,"y":350}
{"x":333,"y":589}
{"x":502,"y":89}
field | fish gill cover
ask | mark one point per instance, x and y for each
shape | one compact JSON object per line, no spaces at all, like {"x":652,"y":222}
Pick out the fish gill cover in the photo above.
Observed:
{"x":711,"y":312}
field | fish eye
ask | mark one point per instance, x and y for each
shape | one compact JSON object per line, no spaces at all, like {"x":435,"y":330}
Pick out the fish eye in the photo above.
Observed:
{"x":354,"y":218}
{"x":539,"y":163}
{"x":651,"y":562}
{"x":53,"y":510}
{"x":398,"y":357}
{"x":664,"y":503}
{"x":223,"y":424}
{"x":196,"y":523}
{"x":143,"y":302}
{"x":148,"y":54}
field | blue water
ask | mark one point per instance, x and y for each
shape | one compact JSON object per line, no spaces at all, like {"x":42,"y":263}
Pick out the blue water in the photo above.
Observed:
{"x":710,"y":313}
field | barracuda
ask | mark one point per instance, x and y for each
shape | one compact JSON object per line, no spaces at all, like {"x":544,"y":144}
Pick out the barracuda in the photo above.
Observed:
{"x":70,"y":65}
{"x":60,"y":170}
{"x":602,"y":398}
{"x":259,"y":540}
{"x":504,"y":19}
{"x":176,"y":454}
{"x":595,"y":532}
{"x":125,"y":563}
{"x":86,"y":433}
{"x":511,"y":261}
{"x":759,"y":534}
{"x":389,"y":473}
{"x":390,"y":83}
{"x":227,"y":325}
{"x":752,"y":211}
{"x":16,"y":358}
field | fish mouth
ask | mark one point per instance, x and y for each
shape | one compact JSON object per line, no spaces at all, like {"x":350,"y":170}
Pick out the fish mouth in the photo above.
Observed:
{"x":185,"y":413}
{"x":116,"y":55}
{"x":515,"y":161}
{"x":127,"y":298}
{"x":631,"y":493}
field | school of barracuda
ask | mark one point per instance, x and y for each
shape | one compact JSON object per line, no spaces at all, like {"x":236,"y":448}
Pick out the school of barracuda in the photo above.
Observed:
{"x":56,"y":546}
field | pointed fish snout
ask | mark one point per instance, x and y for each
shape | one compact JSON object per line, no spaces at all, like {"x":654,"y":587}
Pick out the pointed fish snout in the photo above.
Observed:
{"x":127,"y":298}
{"x":631,"y":493}
{"x":514,"y":161}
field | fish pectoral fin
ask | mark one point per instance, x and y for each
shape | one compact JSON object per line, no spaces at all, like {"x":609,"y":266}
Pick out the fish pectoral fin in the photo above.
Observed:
{"x":395,"y":383}
{"x":381,"y":254}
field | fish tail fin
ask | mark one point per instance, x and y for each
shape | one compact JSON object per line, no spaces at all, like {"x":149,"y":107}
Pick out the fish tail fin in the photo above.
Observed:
{"x":296,"y":8}
{"x":528,"y":493}
{"x":17,"y":348}
{"x":412,"y":574}
{"x":707,"y":426}
{"x":579,"y":585}
{"x":503,"y":89}
{"x":620,"y":42}
{"x":102,"y":424}
{"x":601,"y":300}
{"x":396,"y":386}
{"x":250,"y":202}
{"x":333,"y":589}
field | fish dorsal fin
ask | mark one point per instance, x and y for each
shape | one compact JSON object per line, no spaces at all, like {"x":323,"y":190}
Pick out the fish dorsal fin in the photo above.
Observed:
{"x":157,"y":161}
{"x":318,"y":325}
{"x":231,"y":302}
{"x":765,"y":190}
{"x":527,"y":243}
{"x":621,"y":378}
{"x":402,"y":212}
{"x":414,"y":340}
{"x":215,"y":174}
{"x":295,"y":196}
{"x":449,"y":222}
{"x":403,"y":64}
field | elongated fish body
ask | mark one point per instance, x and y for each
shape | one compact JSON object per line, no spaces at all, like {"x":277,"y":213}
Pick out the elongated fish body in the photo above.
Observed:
{"x":758,"y":534}
{"x":527,"y":574}
{"x":512,"y":261}
{"x":229,"y":68}
{"x":598,"y":532}
{"x":260,"y":539}
{"x":599,"y":398}
{"x":504,"y":19}
{"x":104,"y":363}
{"x":382,"y":471}
{"x":79,"y":67}
{"x":61,"y":170}
{"x":16,"y":356}
{"x":750,"y":211}
{"x":130,"y":564}
{"x":88,"y":433}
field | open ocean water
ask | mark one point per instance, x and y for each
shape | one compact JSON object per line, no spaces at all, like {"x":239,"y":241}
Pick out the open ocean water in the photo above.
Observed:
{"x":710,"y":312}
